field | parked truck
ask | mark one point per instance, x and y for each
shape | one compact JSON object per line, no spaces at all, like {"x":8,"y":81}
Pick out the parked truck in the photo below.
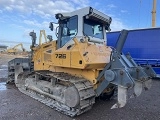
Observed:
{"x":142,"y":44}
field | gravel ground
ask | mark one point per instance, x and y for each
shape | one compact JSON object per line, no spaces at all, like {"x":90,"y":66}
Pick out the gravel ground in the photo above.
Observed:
{"x":16,"y":106}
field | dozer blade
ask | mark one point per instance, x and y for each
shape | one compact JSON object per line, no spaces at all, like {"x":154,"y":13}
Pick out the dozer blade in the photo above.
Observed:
{"x":122,"y":98}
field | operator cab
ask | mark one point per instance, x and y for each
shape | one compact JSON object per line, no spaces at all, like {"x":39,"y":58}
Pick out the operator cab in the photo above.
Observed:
{"x":84,"y":22}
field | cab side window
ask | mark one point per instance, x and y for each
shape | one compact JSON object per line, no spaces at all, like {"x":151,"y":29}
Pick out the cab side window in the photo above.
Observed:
{"x":69,"y":29}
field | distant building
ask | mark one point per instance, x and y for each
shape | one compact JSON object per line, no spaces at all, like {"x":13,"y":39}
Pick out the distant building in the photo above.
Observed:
{"x":3,"y":48}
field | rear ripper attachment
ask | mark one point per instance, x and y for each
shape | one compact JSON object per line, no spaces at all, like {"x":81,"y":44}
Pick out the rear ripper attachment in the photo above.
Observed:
{"x":123,"y":73}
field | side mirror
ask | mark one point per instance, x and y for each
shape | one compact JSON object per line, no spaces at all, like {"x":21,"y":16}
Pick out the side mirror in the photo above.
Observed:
{"x":51,"y":26}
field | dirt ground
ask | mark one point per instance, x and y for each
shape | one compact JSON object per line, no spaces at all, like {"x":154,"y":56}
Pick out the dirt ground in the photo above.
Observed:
{"x":16,"y":106}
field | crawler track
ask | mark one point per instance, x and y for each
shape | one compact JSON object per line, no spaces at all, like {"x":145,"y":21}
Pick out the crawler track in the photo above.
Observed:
{"x":83,"y":86}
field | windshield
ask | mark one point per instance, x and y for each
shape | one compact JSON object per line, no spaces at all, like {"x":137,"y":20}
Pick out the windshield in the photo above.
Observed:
{"x":93,"y":28}
{"x":69,"y":29}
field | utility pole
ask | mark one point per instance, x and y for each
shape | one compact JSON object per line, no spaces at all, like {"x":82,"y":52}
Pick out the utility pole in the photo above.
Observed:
{"x":154,"y":14}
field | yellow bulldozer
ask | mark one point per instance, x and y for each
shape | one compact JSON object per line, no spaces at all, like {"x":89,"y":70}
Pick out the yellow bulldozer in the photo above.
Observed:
{"x":69,"y":73}
{"x":14,"y":50}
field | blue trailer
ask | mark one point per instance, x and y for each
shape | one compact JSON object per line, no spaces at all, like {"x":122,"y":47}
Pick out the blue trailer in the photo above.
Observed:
{"x":142,"y":44}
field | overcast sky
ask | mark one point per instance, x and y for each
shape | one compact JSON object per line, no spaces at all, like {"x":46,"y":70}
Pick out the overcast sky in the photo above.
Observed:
{"x":19,"y":17}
